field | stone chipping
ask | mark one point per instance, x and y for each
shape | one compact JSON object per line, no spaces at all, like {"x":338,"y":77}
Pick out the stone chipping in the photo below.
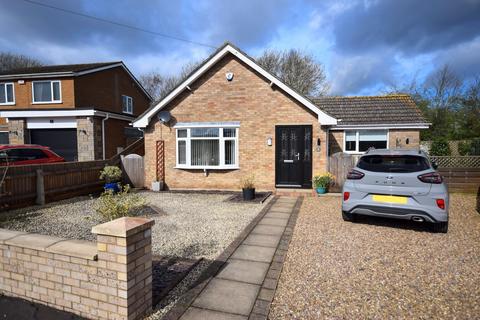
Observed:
{"x":380,"y":269}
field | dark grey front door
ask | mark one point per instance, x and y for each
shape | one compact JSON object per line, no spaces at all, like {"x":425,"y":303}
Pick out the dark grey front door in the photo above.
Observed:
{"x":293,"y":156}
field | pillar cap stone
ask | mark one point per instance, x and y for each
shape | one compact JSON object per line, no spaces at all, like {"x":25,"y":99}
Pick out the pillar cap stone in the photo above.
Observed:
{"x":123,"y":227}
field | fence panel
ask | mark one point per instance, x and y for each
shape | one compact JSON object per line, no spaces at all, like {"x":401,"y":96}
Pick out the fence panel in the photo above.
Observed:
{"x":457,"y":162}
{"x":339,"y":165}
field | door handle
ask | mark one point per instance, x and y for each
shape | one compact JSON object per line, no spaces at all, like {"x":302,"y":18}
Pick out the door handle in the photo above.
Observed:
{"x":288,"y":161}
{"x":298,"y":156}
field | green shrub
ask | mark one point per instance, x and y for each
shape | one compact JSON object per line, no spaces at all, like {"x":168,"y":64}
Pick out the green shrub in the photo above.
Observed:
{"x":440,"y":147}
{"x":111,"y":174}
{"x":464,"y":148}
{"x":323,"y":181}
{"x":475,"y":147}
{"x":112,"y":205}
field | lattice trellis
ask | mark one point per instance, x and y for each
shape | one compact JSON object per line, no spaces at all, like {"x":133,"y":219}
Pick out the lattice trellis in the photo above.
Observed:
{"x":160,"y":160}
{"x":456,"y":162}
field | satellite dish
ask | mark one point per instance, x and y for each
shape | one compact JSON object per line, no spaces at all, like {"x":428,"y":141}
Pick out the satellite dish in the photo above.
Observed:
{"x":164,"y":116}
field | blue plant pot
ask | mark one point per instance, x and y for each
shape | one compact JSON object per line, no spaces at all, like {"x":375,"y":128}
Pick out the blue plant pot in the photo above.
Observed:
{"x":321,"y":190}
{"x":112,"y":186}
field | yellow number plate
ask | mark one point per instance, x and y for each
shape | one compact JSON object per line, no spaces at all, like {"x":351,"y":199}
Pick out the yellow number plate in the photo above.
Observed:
{"x":389,"y":199}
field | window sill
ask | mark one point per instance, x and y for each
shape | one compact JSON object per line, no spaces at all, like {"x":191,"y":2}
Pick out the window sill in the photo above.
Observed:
{"x":7,"y":104}
{"x":208,"y":167}
{"x":48,"y":102}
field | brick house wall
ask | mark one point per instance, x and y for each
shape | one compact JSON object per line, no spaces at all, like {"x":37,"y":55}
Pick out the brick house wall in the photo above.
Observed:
{"x":103,"y":91}
{"x":249,"y":99}
{"x":18,"y":132}
{"x":402,"y":135}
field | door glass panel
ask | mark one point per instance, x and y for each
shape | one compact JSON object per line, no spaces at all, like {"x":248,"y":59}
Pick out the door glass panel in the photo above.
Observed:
{"x":284,"y":145}
{"x":293,"y":145}
{"x":307,"y":156}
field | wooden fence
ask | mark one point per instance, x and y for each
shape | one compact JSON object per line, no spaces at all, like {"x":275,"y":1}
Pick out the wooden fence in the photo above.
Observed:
{"x":462,"y":179}
{"x":39,"y":184}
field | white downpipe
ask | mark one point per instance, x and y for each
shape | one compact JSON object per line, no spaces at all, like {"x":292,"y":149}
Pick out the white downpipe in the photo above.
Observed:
{"x":103,"y":134}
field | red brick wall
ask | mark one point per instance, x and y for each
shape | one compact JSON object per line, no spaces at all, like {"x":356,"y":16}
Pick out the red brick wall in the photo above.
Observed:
{"x":250,"y":99}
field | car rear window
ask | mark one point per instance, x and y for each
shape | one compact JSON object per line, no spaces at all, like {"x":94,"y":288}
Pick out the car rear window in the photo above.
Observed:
{"x":393,"y":163}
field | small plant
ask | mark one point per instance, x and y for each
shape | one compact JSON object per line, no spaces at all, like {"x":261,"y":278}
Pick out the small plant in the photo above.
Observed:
{"x":323,"y":181}
{"x":248,"y":182}
{"x":112,"y":205}
{"x":464,"y":148}
{"x":440,"y":147}
{"x":111,"y":174}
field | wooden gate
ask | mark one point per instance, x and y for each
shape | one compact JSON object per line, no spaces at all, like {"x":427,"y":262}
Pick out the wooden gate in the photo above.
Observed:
{"x":133,"y":167}
{"x":339,"y":165}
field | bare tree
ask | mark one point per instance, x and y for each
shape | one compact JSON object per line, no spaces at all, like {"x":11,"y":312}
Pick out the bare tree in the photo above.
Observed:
{"x":159,"y":85}
{"x":298,"y":70}
{"x":443,"y":87}
{"x":9,"y":61}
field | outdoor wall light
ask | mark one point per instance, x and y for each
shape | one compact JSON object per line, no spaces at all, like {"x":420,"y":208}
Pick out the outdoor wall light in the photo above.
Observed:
{"x":407,"y":141}
{"x":269,"y":141}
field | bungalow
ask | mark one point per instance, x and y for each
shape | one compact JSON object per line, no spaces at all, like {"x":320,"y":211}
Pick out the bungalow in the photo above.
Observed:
{"x":230,"y":118}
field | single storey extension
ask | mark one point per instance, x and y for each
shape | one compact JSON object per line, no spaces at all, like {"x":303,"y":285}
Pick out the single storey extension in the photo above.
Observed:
{"x":230,"y":119}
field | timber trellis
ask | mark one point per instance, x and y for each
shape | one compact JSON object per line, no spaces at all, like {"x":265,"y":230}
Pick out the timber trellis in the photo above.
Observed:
{"x":39,"y":184}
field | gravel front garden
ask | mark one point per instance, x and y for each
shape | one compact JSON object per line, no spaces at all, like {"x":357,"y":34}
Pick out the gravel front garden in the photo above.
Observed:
{"x":190,"y":226}
{"x":379,"y":269}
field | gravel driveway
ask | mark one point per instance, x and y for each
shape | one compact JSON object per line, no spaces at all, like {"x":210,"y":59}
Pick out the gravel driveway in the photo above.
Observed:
{"x":188,"y":226}
{"x":378,"y":269}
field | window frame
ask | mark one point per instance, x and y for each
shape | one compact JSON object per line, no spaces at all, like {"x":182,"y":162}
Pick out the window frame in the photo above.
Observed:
{"x":221,"y":148}
{"x":6,"y":103}
{"x":51,"y":92}
{"x":131,"y":103}
{"x":357,"y":139}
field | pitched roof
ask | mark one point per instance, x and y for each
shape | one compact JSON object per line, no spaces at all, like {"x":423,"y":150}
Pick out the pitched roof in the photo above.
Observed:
{"x":58,"y":68}
{"x":144,"y":119}
{"x":67,"y":70}
{"x":372,"y":110}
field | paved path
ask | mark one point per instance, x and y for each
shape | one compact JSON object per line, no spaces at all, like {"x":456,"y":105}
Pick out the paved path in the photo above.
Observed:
{"x":245,"y":286}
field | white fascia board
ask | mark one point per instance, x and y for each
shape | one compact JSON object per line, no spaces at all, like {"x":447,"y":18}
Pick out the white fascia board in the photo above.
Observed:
{"x":323,"y":118}
{"x":383,"y":126}
{"x":46,"y":113}
{"x":38,"y":75}
{"x":62,"y":113}
{"x":226,"y":124}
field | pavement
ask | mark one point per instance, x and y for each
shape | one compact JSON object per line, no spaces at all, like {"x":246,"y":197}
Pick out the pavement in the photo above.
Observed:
{"x":243,"y":289}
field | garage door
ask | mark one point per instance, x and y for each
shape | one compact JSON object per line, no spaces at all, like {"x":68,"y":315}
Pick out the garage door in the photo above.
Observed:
{"x":62,"y":141}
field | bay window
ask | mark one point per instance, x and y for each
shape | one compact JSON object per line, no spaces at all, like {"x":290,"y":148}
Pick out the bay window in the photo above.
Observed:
{"x":46,"y":92}
{"x":207,"y":147}
{"x":6,"y":93}
{"x":358,"y":141}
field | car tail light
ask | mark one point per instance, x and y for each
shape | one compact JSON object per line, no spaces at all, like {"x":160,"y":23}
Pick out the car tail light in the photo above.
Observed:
{"x":433,"y":177}
{"x":440,"y":203}
{"x":355,"y":175}
{"x":346,"y":195}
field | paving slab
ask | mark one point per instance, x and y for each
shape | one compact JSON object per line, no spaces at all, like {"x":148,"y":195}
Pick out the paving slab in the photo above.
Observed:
{"x":268,"y":230}
{"x":263,"y":240}
{"x":203,"y":314}
{"x":274,"y":222}
{"x":281,"y":210}
{"x":244,"y":271}
{"x":279,"y":215}
{"x":254,"y":253}
{"x":6,"y":234}
{"x":228,"y":296}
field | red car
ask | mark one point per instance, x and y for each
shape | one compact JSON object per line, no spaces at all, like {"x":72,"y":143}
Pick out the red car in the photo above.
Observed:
{"x":22,"y":154}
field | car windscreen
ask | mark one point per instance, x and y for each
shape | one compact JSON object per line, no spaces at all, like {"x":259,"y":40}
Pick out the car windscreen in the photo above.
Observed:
{"x":393,"y":163}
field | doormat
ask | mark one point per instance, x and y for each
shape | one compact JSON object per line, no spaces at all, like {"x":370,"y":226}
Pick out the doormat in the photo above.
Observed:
{"x":260,"y":197}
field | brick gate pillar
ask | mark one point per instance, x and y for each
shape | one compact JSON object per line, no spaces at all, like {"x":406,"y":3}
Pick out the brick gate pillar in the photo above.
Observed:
{"x":125,"y":245}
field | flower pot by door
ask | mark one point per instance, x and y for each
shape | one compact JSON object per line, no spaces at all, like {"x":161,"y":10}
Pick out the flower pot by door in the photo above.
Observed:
{"x":248,"y":194}
{"x":321,"y":190}
{"x":112,"y":186}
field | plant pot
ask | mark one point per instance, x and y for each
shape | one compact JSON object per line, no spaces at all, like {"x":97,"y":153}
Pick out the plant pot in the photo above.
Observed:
{"x":112,"y":186}
{"x":157,"y":186}
{"x":321,"y":190}
{"x":248,"y":194}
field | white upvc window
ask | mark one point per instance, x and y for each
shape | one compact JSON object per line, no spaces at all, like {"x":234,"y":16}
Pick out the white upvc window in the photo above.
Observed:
{"x":358,"y":141}
{"x":49,"y":91}
{"x":7,"y":94}
{"x":207,"y":147}
{"x":127,"y":104}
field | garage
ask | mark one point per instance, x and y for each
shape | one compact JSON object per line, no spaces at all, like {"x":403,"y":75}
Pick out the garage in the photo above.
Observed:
{"x":61,"y":141}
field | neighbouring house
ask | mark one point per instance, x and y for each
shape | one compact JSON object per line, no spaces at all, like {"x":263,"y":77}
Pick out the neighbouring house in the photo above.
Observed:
{"x":230,"y":118}
{"x":81,"y":111}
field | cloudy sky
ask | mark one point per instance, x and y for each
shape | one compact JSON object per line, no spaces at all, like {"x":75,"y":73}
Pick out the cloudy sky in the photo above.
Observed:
{"x":365,"y":46}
